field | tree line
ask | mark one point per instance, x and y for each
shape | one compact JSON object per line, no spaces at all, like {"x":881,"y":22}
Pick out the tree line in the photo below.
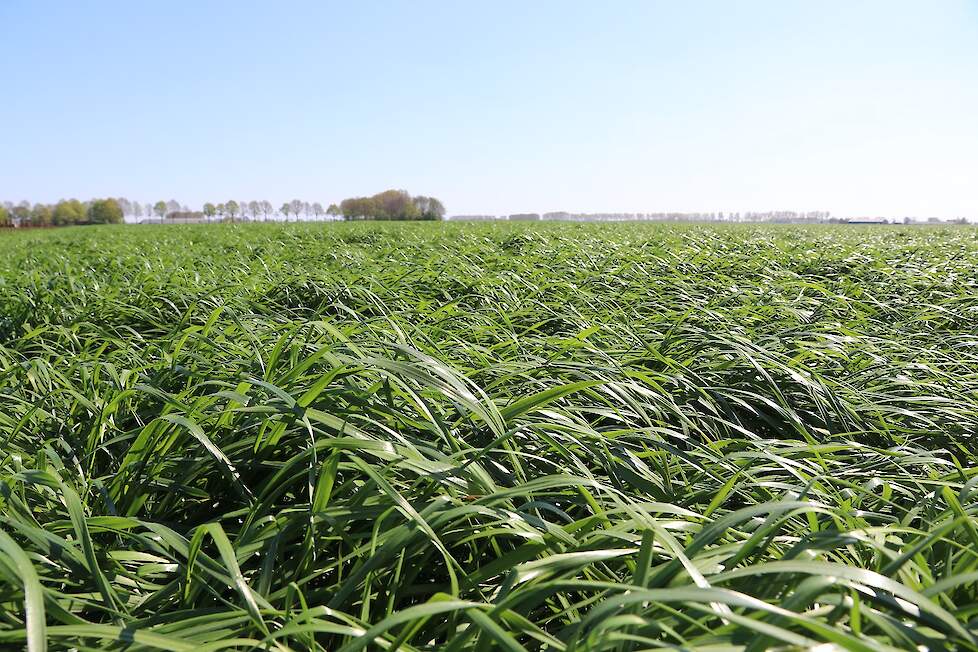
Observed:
{"x":64,"y":213}
{"x":392,"y":205}
{"x":264,"y":210}
{"x":565,"y":216}
{"x":387,"y":205}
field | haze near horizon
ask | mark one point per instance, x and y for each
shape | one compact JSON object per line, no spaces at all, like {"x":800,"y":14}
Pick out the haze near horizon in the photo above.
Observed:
{"x":858,"y":108}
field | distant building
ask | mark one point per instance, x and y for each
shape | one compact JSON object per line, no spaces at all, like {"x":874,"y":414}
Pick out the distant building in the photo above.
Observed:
{"x":867,"y":220}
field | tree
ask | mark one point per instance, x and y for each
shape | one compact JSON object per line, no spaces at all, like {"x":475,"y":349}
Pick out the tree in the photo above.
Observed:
{"x":22,"y":213}
{"x":317,"y":209}
{"x":436,"y":209}
{"x":5,"y":218}
{"x":333,"y":211}
{"x":254,"y":208}
{"x":296,"y":205}
{"x":221,"y":211}
{"x":395,"y":205}
{"x":358,"y":208}
{"x":210,"y":211}
{"x":70,"y":211}
{"x":172,"y":206}
{"x":422,"y":203}
{"x":232,"y":208}
{"x":137,"y":210}
{"x":266,"y":209}
{"x":41,"y":215}
{"x":160,"y":209}
{"x":105,"y":211}
{"x":285,"y":209}
{"x":429,"y":207}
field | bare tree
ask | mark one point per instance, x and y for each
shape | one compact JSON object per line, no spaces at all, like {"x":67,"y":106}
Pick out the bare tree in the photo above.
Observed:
{"x":125,"y":205}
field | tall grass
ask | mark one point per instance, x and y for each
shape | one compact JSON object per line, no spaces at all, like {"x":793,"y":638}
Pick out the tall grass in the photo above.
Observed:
{"x":458,"y":437}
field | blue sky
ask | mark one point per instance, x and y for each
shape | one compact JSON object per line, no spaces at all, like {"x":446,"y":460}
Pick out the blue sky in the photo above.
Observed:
{"x":851,"y":106}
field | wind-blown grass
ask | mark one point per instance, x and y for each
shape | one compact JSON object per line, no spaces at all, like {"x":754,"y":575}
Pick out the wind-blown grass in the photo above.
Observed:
{"x":461,"y":437}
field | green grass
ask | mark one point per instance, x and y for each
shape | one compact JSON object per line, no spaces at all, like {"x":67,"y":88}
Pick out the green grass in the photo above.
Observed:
{"x":474,"y":437}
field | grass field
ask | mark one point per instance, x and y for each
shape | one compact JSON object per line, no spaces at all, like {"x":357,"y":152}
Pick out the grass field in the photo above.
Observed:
{"x":473,"y":437}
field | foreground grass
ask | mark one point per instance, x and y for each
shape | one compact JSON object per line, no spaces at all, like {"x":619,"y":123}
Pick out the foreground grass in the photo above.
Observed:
{"x":460,"y":437}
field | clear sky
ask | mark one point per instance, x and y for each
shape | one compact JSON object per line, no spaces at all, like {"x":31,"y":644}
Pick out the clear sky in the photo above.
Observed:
{"x":857,"y":107}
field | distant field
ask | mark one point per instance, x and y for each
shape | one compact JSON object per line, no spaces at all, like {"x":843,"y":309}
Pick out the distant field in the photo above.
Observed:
{"x":489,"y":436}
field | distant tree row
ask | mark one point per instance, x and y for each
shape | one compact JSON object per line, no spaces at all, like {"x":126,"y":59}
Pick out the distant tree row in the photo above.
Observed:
{"x":564,"y":216}
{"x":387,"y":205}
{"x":392,"y":205}
{"x":768,"y":216}
{"x":263,"y":210}
{"x":72,"y":211}
{"x":64,"y":213}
